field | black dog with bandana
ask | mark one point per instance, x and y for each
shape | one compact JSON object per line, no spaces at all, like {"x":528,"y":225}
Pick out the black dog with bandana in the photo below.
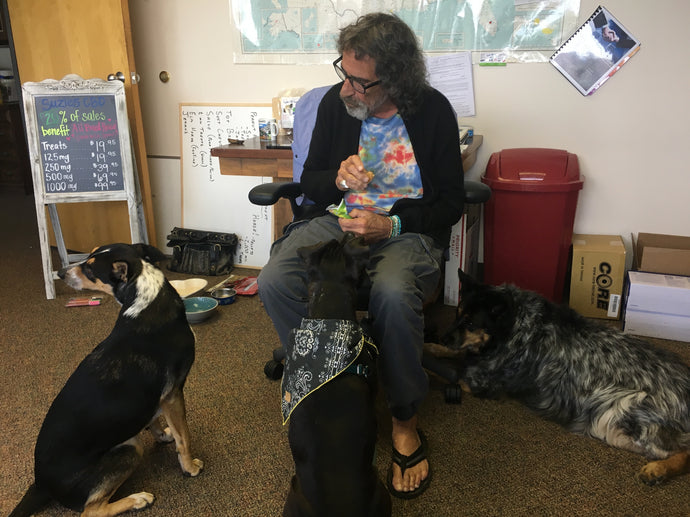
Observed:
{"x":329,"y":393}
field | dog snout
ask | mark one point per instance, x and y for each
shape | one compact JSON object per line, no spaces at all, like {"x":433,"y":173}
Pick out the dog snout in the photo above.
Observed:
{"x":68,"y":271}
{"x":454,"y":337}
{"x":71,"y":277}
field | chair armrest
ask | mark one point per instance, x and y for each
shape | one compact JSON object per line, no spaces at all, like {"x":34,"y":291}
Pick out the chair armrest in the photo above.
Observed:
{"x":476,"y":192}
{"x":269,"y":193}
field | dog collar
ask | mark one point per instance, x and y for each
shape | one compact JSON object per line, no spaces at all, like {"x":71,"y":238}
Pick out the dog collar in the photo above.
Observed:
{"x":319,"y":351}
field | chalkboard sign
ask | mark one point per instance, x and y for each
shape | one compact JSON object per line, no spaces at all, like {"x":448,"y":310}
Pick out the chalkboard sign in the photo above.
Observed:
{"x":80,"y":150}
{"x":79,"y":143}
{"x":79,"y":140}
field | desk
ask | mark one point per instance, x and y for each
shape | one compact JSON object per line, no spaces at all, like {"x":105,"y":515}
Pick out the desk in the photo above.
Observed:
{"x":253,"y":159}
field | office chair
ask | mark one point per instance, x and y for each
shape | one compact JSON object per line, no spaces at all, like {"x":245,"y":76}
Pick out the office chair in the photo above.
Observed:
{"x":267,"y":194}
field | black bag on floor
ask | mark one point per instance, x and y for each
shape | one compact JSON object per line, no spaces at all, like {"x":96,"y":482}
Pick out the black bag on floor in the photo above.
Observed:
{"x":199,"y":252}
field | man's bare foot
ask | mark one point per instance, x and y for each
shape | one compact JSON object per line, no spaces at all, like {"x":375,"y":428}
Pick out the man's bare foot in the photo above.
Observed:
{"x":406,"y":441}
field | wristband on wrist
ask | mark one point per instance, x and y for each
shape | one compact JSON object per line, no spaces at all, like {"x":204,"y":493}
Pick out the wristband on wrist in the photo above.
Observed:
{"x":395,"y":226}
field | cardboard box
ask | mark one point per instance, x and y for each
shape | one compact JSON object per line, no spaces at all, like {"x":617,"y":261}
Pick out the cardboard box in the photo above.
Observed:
{"x":658,"y":305}
{"x":657,"y":253}
{"x":463,"y":253}
{"x":597,"y":275}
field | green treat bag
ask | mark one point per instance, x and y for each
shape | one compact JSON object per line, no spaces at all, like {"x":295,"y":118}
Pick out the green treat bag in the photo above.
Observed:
{"x":340,"y":210}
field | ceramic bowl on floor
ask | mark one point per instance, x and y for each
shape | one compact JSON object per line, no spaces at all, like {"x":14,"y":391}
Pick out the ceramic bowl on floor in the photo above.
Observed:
{"x":188,"y":287}
{"x":199,"y":308}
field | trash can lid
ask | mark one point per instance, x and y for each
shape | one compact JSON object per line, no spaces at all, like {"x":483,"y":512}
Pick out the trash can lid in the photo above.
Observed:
{"x":533,"y":169}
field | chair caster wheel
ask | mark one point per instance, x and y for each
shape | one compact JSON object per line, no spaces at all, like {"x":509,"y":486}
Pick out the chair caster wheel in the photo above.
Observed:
{"x":273,"y":370}
{"x":452,"y":394}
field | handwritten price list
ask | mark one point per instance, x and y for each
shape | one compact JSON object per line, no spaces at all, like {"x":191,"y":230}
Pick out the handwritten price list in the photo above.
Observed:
{"x":79,"y":143}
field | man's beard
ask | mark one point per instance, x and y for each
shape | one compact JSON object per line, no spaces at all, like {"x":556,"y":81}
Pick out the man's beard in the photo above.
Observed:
{"x":359,"y":109}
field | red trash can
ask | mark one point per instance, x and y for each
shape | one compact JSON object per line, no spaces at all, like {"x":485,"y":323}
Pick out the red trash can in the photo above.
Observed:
{"x":528,"y":222}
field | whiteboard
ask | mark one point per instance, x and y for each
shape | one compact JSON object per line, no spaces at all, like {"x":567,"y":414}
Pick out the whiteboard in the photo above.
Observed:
{"x":215,"y":202}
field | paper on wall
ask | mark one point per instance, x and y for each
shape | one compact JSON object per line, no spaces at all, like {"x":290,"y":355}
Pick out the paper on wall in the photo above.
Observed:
{"x":451,"y":74}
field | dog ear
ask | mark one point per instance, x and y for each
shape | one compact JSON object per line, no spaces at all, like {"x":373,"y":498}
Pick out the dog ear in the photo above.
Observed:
{"x":149,"y":253}
{"x":307,"y":253}
{"x":355,"y":248}
{"x":351,"y":237}
{"x":504,"y":303}
{"x":120,"y":269}
{"x":468,"y":284}
{"x":502,"y":312}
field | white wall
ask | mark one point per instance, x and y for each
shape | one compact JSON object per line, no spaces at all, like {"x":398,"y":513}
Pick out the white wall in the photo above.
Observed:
{"x":632,"y":136}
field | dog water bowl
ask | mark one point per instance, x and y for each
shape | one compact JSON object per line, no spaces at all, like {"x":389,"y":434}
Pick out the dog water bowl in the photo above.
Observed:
{"x":199,"y":308}
{"x":225,"y":295}
{"x":188,"y":287}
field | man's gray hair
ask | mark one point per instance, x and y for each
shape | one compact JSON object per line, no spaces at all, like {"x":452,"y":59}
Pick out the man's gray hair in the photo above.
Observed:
{"x":394,"y":47}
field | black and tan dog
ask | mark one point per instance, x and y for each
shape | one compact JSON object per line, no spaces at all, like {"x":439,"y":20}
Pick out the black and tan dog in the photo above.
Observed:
{"x":88,"y":444}
{"x":332,"y":428}
{"x":592,"y":379}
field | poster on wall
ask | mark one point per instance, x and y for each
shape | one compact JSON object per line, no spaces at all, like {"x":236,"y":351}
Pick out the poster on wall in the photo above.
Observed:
{"x":305,"y":31}
{"x":595,"y":52}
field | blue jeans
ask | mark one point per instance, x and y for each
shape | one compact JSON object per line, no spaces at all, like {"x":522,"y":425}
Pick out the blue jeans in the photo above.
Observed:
{"x":404,"y":271}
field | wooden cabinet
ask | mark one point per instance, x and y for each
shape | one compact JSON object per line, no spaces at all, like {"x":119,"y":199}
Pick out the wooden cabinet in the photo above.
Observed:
{"x":14,"y":157}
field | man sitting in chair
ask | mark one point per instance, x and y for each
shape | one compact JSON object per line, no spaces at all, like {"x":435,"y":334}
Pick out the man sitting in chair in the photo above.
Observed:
{"x":387,"y":143}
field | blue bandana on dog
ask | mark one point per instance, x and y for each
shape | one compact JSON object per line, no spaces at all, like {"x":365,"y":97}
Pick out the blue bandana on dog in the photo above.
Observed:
{"x":319,"y":351}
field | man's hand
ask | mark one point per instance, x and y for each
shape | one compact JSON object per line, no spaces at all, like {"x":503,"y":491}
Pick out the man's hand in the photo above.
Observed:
{"x":352,"y":174}
{"x":373,"y":227}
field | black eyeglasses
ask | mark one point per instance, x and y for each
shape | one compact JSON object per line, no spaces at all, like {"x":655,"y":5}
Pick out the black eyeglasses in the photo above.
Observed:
{"x":357,"y":85}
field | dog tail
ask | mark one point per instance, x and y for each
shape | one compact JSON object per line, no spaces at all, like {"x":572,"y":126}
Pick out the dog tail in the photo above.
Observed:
{"x":33,"y":501}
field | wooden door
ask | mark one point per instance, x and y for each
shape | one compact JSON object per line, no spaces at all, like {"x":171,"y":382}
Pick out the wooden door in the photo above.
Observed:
{"x":53,"y":38}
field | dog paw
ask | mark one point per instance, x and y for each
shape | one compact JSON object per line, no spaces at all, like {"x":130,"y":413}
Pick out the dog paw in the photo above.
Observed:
{"x":652,"y":474}
{"x":141,"y":500}
{"x":194,"y":469}
{"x":165,"y":436}
{"x":464,"y":386}
{"x":159,"y":434}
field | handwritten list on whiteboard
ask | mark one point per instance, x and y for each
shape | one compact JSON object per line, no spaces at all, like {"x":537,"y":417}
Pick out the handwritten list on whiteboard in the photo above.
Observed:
{"x":215,"y":202}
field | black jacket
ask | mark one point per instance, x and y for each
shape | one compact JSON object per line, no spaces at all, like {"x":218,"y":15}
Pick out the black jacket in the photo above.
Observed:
{"x":434,"y":136}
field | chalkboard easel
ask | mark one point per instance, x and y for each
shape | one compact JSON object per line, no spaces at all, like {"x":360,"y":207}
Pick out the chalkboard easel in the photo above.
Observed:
{"x":80,"y":150}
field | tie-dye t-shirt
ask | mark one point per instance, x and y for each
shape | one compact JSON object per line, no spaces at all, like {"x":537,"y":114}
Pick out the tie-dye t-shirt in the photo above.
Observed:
{"x":385,"y":150}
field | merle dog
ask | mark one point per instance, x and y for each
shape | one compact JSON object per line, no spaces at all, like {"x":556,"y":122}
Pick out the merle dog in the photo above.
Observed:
{"x":591,"y":378}
{"x":333,"y":429}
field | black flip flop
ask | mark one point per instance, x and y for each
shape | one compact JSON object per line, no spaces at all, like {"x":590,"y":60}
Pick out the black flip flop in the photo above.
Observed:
{"x":406,"y":462}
